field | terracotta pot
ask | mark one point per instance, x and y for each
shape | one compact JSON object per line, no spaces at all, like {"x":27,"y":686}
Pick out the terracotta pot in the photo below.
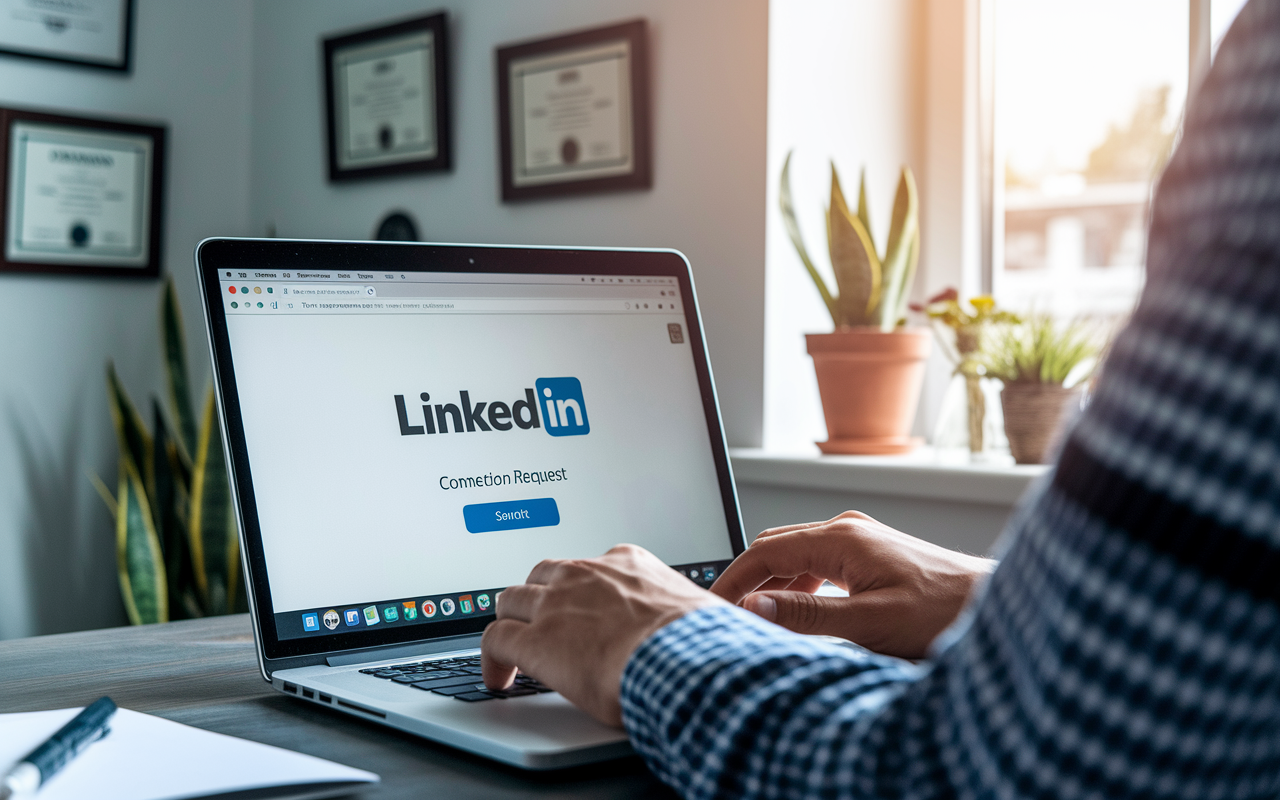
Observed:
{"x":870,"y":385}
{"x":1032,"y":414}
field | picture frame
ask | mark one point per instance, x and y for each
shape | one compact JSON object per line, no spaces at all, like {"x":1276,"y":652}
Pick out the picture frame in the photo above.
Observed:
{"x":573,"y":113}
{"x":82,"y":196}
{"x":87,"y":33}
{"x":387,"y":99}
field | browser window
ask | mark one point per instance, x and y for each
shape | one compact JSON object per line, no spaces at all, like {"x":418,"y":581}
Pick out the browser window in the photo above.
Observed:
{"x":418,"y":441}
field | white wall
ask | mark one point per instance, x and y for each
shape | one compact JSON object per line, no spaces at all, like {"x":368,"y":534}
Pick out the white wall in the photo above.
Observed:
{"x":844,"y":85}
{"x":239,"y":85}
{"x":708,"y":66}
{"x":881,"y":84}
{"x":191,"y":71}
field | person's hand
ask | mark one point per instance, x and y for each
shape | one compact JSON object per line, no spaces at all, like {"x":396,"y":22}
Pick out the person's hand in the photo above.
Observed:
{"x":575,"y":623}
{"x":902,"y":591}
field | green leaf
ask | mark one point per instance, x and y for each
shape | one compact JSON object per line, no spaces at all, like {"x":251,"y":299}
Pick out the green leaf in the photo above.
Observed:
{"x":857,"y":269}
{"x":167,"y":507}
{"x":837,"y":193}
{"x":793,"y":230}
{"x":214,"y":545}
{"x":901,"y":251}
{"x":131,"y":431}
{"x":864,"y":214}
{"x":143,"y":582}
{"x":175,"y":362}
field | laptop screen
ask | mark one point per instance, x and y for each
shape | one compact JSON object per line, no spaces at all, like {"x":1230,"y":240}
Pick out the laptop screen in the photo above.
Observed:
{"x":420,"y":440}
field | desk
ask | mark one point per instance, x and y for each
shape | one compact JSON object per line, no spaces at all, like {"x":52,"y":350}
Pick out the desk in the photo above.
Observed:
{"x":204,"y":673}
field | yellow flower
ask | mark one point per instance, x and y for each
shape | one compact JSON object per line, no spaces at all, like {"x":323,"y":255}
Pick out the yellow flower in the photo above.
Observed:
{"x":983,"y":303}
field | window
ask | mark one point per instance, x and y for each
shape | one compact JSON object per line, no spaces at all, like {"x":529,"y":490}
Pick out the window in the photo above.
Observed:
{"x":1087,"y":101}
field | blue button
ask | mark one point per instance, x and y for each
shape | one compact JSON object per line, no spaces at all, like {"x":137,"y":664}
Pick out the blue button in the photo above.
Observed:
{"x":511,"y":515}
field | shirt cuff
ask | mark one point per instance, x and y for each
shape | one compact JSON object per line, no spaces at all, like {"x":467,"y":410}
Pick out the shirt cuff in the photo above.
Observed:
{"x":695,"y":684}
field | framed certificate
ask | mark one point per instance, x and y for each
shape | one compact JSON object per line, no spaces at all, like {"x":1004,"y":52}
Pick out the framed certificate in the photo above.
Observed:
{"x":81,"y":195}
{"x":388,"y":99}
{"x":91,"y":33}
{"x":573,"y":113}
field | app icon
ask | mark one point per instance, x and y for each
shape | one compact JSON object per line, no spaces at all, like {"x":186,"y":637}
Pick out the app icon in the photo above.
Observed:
{"x":482,"y":602}
{"x":428,"y":609}
{"x":464,"y":604}
{"x":693,"y":574}
{"x":709,"y":574}
{"x":234,"y":304}
{"x":370,"y":615}
{"x":391,"y":613}
{"x":564,"y":409}
{"x":352,"y":616}
{"x":311,"y":622}
{"x":410,"y":610}
{"x":446,"y":607}
{"x":331,"y":619}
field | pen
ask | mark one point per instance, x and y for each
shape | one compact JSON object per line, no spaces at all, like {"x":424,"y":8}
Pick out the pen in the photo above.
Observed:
{"x":40,"y":765}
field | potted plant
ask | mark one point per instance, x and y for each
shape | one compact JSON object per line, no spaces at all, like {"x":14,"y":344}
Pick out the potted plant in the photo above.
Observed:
{"x":871,"y":367}
{"x":969,"y":328}
{"x":1043,"y":366}
{"x":177,"y":544}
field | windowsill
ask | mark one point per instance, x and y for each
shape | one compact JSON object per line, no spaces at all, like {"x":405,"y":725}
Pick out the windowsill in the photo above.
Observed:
{"x":926,"y":473}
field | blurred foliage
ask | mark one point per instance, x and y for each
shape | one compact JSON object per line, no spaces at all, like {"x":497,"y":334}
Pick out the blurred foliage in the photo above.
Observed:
{"x":873,"y":289}
{"x":967,"y":323}
{"x":177,"y":548}
{"x":1139,"y":149}
{"x":1040,"y":350}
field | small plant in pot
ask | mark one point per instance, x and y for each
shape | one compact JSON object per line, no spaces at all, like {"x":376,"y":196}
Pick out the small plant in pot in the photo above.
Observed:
{"x":1044,"y":367}
{"x":870,"y":369}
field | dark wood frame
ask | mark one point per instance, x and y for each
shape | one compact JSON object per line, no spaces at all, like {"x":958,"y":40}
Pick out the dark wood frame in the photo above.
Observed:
{"x":157,"y":134}
{"x":438,"y":24}
{"x":126,"y":65}
{"x":641,"y":177}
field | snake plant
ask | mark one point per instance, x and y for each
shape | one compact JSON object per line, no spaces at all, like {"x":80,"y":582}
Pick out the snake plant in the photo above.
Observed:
{"x":873,"y":289}
{"x":177,"y":549}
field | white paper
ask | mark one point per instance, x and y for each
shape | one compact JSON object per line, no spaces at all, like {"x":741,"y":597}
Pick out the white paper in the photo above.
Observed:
{"x":78,"y":196}
{"x":86,"y":30}
{"x":386,"y":101}
{"x":571,"y":114}
{"x":149,"y":758}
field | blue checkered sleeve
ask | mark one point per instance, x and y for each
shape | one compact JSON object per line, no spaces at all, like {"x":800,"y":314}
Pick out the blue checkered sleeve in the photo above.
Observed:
{"x":1129,"y":643}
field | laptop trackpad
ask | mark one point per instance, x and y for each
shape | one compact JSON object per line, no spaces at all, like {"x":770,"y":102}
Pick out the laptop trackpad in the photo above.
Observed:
{"x":542,"y":722}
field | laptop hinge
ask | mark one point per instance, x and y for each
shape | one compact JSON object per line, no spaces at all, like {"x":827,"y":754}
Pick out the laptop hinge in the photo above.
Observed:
{"x":468,"y":642}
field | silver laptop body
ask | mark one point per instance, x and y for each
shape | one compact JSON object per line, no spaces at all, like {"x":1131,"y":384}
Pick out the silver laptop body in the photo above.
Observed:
{"x":409,"y":428}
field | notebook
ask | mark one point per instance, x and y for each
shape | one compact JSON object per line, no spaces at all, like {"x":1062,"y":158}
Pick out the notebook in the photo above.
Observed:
{"x":149,"y":758}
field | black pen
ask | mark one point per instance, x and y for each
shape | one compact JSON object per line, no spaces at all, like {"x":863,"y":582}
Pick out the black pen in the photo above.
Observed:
{"x":40,"y":765}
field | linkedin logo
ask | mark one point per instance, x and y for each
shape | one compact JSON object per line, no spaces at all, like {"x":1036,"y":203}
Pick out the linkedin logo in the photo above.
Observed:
{"x":557,"y":401}
{"x":566,"y":411}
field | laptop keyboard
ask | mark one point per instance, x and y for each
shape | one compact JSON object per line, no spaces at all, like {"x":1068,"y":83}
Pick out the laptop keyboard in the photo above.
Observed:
{"x":458,"y":678}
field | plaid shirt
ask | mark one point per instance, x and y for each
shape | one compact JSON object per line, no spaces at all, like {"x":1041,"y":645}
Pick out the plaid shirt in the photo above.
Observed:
{"x":1129,"y":643}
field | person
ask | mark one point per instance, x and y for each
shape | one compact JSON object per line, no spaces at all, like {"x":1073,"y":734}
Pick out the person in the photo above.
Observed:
{"x":1128,"y":643}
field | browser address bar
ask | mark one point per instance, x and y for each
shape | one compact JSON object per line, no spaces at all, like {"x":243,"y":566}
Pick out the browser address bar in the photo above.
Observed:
{"x":311,"y":290}
{"x":328,"y":303}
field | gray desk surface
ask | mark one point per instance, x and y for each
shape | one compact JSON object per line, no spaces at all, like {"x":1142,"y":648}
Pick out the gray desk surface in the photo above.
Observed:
{"x":204,"y":673}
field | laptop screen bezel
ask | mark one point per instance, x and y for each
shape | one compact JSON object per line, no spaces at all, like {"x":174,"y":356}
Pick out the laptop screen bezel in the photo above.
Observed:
{"x":220,"y":255}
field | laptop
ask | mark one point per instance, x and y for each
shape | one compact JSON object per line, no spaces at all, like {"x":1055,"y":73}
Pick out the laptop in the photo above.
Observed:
{"x":410,"y":428}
